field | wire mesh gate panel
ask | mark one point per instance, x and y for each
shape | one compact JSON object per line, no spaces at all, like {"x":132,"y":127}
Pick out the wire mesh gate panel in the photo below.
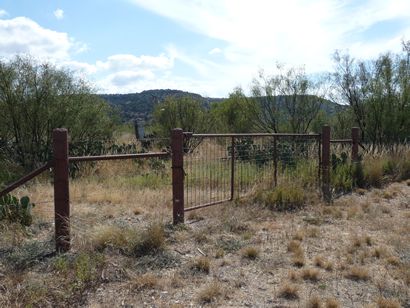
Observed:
{"x":221,"y":167}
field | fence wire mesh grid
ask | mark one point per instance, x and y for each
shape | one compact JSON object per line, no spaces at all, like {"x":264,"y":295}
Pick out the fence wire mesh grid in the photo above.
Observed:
{"x":220,"y":168}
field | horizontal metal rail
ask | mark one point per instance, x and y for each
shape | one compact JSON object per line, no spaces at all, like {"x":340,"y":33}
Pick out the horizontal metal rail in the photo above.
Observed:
{"x":118,"y":157}
{"x":341,"y":141}
{"x":25,"y":179}
{"x":187,"y":209}
{"x":188,"y":134}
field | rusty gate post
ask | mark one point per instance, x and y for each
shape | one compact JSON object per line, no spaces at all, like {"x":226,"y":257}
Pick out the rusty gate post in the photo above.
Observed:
{"x":275,"y":161}
{"x":61,"y":190}
{"x":232,"y":168}
{"x":355,"y":144}
{"x":325,"y":163}
{"x":177,"y":148}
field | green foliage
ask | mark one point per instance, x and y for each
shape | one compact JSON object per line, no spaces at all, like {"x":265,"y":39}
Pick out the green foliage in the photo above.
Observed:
{"x":35,"y":98}
{"x":341,"y":178}
{"x":233,"y":115}
{"x":378,"y":93}
{"x":14,"y":210}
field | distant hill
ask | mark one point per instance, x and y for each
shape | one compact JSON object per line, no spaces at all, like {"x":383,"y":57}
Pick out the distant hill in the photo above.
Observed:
{"x":139,"y":106}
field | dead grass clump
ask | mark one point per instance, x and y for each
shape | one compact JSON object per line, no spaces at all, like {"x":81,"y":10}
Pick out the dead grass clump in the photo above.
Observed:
{"x":298,"y":260}
{"x":294,"y":246}
{"x":310,"y":274}
{"x":321,"y":262}
{"x":387,"y":303}
{"x":146,"y":281}
{"x":353,"y":212}
{"x":299,"y":235}
{"x":104,"y":236}
{"x":392,"y":260}
{"x":201,"y":264}
{"x":312,"y":232}
{"x":289,"y":291}
{"x":380,"y":252}
{"x":332,"y":303}
{"x":293,"y":276}
{"x":250,"y":252}
{"x":373,"y":172}
{"x":358,"y":273}
{"x":314,"y":302}
{"x":210,"y":293}
{"x":151,"y":240}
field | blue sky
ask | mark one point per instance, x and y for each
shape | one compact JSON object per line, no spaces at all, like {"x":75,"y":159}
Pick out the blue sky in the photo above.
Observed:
{"x":203,"y":46}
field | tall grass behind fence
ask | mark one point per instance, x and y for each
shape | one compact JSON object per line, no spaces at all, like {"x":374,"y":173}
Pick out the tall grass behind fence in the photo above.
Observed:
{"x":222,"y":168}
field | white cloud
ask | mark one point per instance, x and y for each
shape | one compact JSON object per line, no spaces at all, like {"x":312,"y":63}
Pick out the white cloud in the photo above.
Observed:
{"x":22,"y":35}
{"x":215,"y":51}
{"x":297,"y":32}
{"x":3,"y":13}
{"x":59,"y":14}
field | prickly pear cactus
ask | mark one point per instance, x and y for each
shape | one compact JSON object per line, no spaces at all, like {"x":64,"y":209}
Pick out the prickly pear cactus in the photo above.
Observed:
{"x":14,"y":210}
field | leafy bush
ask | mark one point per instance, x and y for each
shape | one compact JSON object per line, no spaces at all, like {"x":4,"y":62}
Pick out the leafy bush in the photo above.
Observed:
{"x":14,"y":210}
{"x":342,"y":178}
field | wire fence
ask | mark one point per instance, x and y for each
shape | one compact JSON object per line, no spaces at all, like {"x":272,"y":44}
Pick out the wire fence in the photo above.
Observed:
{"x":219,"y":168}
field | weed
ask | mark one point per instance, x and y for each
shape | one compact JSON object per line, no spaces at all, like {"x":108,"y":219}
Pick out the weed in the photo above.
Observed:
{"x":392,"y":260}
{"x":293,"y":246}
{"x":321,"y":262}
{"x":314,"y":302}
{"x":289,"y":291}
{"x":151,"y":241}
{"x":387,"y":303}
{"x":286,"y":197}
{"x":201,"y":264}
{"x":299,"y":235}
{"x":250,"y":252}
{"x":358,"y":273}
{"x":332,"y":303}
{"x":310,"y":274}
{"x":146,"y":281}
{"x":373,"y":172}
{"x":210,"y":293}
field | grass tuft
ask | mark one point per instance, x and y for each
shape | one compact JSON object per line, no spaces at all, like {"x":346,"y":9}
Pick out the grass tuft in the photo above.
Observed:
{"x":358,"y":273}
{"x":289,"y":291}
{"x":210,"y":293}
{"x":201,"y":264}
{"x":250,"y":252}
{"x":310,"y":274}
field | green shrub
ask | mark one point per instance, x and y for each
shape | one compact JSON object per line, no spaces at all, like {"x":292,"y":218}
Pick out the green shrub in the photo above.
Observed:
{"x":285,"y":197}
{"x":14,"y":210}
{"x":341,"y":178}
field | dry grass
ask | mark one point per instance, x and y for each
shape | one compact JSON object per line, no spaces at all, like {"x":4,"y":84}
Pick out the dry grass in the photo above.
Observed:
{"x":201,"y":264}
{"x":321,"y":262}
{"x":127,"y":252}
{"x":250,"y":252}
{"x":332,"y":303}
{"x":146,"y":281}
{"x":387,"y":303}
{"x":289,"y":291}
{"x":210,"y":293}
{"x":358,"y":273}
{"x":310,"y":274}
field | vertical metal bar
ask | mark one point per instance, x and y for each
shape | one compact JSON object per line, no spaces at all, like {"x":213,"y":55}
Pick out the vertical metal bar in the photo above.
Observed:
{"x":232,"y":167}
{"x":61,"y":190}
{"x":177,"y":147}
{"x":325,"y":163}
{"x":355,"y":144}
{"x":275,"y":161}
{"x":319,"y":168}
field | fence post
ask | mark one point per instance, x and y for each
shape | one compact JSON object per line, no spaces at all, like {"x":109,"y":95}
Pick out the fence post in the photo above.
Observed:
{"x":177,"y":144}
{"x":355,"y":144}
{"x":275,"y":161}
{"x":232,"y":167}
{"x":325,"y":163}
{"x":61,"y":190}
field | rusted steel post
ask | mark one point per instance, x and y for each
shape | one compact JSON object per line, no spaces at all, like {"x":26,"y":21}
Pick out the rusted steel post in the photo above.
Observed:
{"x":177,"y":144}
{"x":355,"y":144}
{"x":325,"y":163}
{"x":61,"y":190}
{"x":232,"y":167}
{"x":275,"y":161}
